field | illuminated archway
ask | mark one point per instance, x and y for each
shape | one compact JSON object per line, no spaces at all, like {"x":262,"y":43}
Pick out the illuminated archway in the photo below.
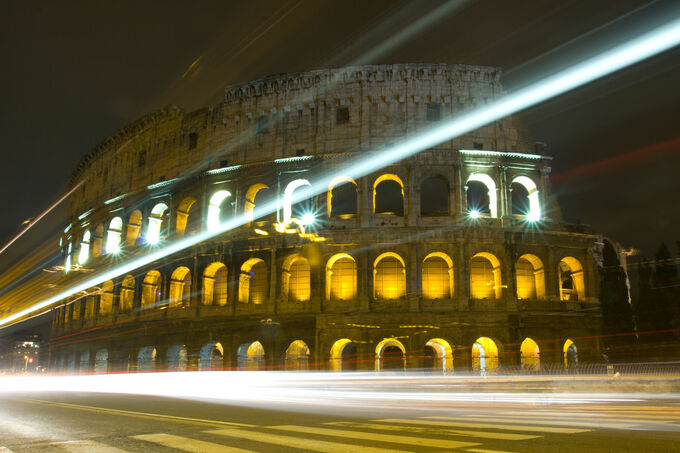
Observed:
{"x":389,"y":277}
{"x":485,"y":277}
{"x":534,"y":212}
{"x":570,"y":354}
{"x":211,"y":356}
{"x":571,"y":279}
{"x":215,"y":284}
{"x":343,"y":355}
{"x":84,"y":252}
{"x":388,"y":195}
{"x":185,"y":216}
{"x":490,"y":184}
{"x":249,"y":205}
{"x":297,"y":355}
{"x":341,"y":199}
{"x":106,"y":298}
{"x":177,"y":358}
{"x":151,"y":290}
{"x":438,"y":355}
{"x":485,"y":356}
{"x":133,"y":227}
{"x":180,"y":287}
{"x":127,"y":293}
{"x":390,"y":354}
{"x":155,"y":231}
{"x":437,"y":276}
{"x":530,"y":277}
{"x":289,"y":199}
{"x":341,"y":277}
{"x":253,"y":283}
{"x":530,"y":356}
{"x":146,"y":358}
{"x":113,"y":235}
{"x":251,"y":356}
{"x":295,"y":278}
{"x":215,"y":214}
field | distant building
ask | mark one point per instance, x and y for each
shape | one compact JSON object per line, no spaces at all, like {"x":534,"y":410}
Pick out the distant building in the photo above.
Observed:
{"x":26,"y":355}
{"x":455,"y":259}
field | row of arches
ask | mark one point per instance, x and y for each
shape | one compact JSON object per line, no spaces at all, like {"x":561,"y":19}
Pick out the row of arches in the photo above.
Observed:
{"x":388,"y":198}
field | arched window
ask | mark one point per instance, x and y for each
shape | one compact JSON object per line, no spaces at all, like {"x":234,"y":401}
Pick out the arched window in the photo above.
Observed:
{"x":343,"y":355}
{"x":180,"y":287}
{"x":484,"y":355}
{"x":256,"y":196}
{"x":297,"y":355}
{"x":438,"y":355}
{"x":151,"y":289}
{"x":84,"y":252}
{"x":127,"y":293}
{"x":485,"y":277}
{"x":434,"y":196}
{"x":389,"y":277}
{"x":388,"y":195}
{"x":481,"y":195}
{"x":97,"y":244}
{"x":69,"y":252}
{"x":106,"y":298}
{"x":211,"y":356}
{"x":530,"y":277}
{"x":296,"y":278}
{"x":133,"y":227}
{"x":158,"y":221}
{"x":295,"y":206}
{"x":437,"y":276}
{"x":113,"y":235}
{"x":530,"y":355}
{"x":177,"y":357}
{"x":146,"y":358}
{"x":216,"y":210}
{"x":389,"y":355}
{"x":253,"y":283}
{"x":525,"y":200}
{"x":250,"y":356}
{"x":572,"y":282}
{"x":341,"y":277}
{"x":215,"y":284}
{"x":342,"y":198}
{"x":188,"y":217}
{"x":570,"y":354}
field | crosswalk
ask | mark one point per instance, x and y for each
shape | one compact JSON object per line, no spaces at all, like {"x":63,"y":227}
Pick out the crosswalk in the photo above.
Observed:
{"x":467,"y":432}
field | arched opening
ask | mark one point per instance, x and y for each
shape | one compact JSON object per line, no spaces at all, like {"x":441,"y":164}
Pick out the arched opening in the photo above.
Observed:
{"x":180,"y":287}
{"x":295,"y":206}
{"x":251,"y":356}
{"x":296,"y":279}
{"x":253,"y":284}
{"x":151,"y":289}
{"x":342,"y":198}
{"x":485,"y":356}
{"x":341,"y":277}
{"x":133,"y":227}
{"x":343,"y":355}
{"x":530,"y":277}
{"x":69,"y":252}
{"x":437,"y":276}
{"x":388,"y":195}
{"x":113,"y":235}
{"x":481,"y":196}
{"x":127,"y":293}
{"x":390,"y":355}
{"x":188,"y":217}
{"x":101,"y":361}
{"x":106,"y":299}
{"x":217,"y":213}
{"x":215,"y":284}
{"x":524,"y":195}
{"x":571,"y":278}
{"x":84,"y":253}
{"x":297,"y":356}
{"x":146,"y":359}
{"x":570,"y":354}
{"x":97,"y":243}
{"x":83,"y":363}
{"x":177,"y":357}
{"x":158,"y":224}
{"x":256,"y":196}
{"x":389,"y":277}
{"x":438,"y":356}
{"x":434,"y":196}
{"x":211,"y":356}
{"x":485,"y":277}
{"x":530,"y":357}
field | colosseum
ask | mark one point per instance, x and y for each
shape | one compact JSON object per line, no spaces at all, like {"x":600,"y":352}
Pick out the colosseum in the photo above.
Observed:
{"x":455,"y":259}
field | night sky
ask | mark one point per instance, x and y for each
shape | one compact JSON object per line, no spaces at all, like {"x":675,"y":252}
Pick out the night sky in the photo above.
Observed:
{"x":74,"y":72}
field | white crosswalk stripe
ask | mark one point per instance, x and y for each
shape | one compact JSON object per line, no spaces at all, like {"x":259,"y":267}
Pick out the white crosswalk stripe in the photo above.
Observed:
{"x":484,"y":426}
{"x":87,"y":446}
{"x":187,"y":444}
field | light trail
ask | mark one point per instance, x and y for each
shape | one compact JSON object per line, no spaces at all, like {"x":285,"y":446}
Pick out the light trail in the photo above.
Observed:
{"x":634,"y":51}
{"x":37,"y":219}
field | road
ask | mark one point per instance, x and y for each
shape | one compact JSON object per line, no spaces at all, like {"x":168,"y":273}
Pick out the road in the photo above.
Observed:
{"x":398,"y":419}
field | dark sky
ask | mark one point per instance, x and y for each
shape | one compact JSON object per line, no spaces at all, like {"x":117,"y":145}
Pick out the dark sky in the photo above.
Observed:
{"x":75,"y":71}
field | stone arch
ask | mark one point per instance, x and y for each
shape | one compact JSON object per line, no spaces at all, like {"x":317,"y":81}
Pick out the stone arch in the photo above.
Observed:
{"x":485,"y":356}
{"x":211,"y":356}
{"x":180,"y":287}
{"x":526,"y":203}
{"x":295,"y":279}
{"x":253,"y":284}
{"x":484,"y":201}
{"x":388,"y":195}
{"x":293,"y":205}
{"x":134,"y":226}
{"x":341,"y":277}
{"x":177,"y":357}
{"x":215,"y":284}
{"x":341,"y":200}
{"x":106,"y":298}
{"x":127,"y":294}
{"x":343,"y":355}
{"x":158,"y":220}
{"x":216,"y":211}
{"x":249,"y":205}
{"x":146,"y":358}
{"x":389,"y":277}
{"x":530,"y":355}
{"x":570,"y":354}
{"x":530,"y":277}
{"x":438,"y":355}
{"x":101,"y":361}
{"x":186,"y":218}
{"x":390,"y":354}
{"x":113,"y":235}
{"x":437,"y":276}
{"x":251,"y":356}
{"x":485,"y":276}
{"x":84,"y":252}
{"x":151,"y":289}
{"x":434,"y":196}
{"x":571,"y":279}
{"x":297,"y":355}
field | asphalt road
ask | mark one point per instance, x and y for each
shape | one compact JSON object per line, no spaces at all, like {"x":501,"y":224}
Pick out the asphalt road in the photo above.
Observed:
{"x":101,"y":422}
